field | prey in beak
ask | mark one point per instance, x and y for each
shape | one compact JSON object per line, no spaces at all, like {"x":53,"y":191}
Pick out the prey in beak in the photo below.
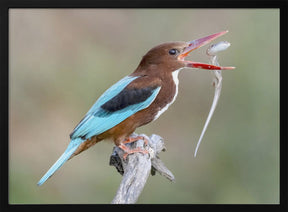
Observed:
{"x":195,"y":44}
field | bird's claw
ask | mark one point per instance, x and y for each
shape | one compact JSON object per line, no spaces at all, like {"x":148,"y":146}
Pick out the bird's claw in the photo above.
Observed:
{"x":133,"y":139}
{"x":131,"y":151}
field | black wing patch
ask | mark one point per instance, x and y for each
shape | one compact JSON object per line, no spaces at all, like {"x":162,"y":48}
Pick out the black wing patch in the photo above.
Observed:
{"x":128,"y":97}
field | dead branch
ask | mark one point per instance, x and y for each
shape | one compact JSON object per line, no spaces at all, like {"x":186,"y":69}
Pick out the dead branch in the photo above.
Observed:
{"x":137,"y":167}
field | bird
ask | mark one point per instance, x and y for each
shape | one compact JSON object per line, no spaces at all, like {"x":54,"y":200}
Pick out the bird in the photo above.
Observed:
{"x":135,"y":100}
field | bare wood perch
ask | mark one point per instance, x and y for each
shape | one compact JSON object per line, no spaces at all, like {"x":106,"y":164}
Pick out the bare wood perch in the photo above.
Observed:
{"x":137,"y":167}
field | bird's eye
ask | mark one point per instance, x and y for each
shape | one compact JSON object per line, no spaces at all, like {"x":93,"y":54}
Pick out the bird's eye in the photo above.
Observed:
{"x":173,"y":51}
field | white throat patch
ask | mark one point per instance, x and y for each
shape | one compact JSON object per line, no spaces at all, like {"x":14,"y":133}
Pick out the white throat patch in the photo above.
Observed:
{"x":176,"y":81}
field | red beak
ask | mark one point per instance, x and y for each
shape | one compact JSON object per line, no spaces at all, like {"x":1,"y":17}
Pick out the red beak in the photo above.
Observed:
{"x":195,"y":44}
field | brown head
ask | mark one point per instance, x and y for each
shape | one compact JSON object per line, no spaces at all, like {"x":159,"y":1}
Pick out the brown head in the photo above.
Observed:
{"x":165,"y":54}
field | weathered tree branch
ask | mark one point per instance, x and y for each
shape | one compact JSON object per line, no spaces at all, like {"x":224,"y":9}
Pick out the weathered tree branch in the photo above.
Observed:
{"x":136,"y":168}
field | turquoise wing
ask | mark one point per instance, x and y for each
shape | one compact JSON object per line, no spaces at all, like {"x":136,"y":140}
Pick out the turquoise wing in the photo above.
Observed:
{"x":113,"y":107}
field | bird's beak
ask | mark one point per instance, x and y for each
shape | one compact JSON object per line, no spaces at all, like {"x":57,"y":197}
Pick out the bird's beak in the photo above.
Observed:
{"x":195,"y":44}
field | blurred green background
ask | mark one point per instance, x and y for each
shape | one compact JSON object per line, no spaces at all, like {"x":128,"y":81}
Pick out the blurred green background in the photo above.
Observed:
{"x":62,"y":60}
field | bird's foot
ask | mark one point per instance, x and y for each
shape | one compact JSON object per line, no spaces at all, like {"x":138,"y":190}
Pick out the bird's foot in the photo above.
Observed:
{"x":129,"y":151}
{"x":133,"y":139}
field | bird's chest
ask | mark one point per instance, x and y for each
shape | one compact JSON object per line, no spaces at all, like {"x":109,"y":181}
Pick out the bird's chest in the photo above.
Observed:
{"x":168,"y":95}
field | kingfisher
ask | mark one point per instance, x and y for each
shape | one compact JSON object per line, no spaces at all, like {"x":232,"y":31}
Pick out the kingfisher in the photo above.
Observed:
{"x":135,"y":100}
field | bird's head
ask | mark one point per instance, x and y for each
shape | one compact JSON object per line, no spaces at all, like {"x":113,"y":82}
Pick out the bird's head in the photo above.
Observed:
{"x":171,"y":55}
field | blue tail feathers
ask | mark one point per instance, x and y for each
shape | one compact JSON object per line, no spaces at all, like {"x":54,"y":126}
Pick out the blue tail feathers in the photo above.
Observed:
{"x":74,"y":144}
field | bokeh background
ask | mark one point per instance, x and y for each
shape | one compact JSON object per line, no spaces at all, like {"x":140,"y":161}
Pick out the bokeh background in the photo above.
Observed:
{"x":62,"y":60}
